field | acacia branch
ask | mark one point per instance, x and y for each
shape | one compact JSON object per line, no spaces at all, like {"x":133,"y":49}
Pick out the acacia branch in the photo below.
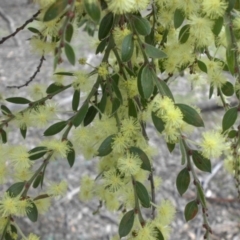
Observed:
{"x":21,"y":27}
{"x":32,"y":77}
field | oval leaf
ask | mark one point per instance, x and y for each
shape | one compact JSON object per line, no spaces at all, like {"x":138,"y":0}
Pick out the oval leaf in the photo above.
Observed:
{"x":217,"y":27}
{"x":37,"y":180}
{"x":164,"y":89}
{"x":106,"y":146}
{"x":53,"y":88}
{"x":69,"y":53}
{"x":184,"y":34}
{"x":127,"y":48}
{"x":93,"y":10}
{"x":141,"y":25}
{"x":69,"y":32}
{"x":71,"y":154}
{"x":191,"y":210}
{"x":77,"y":120}
{"x":229,"y":118}
{"x":75,"y":100}
{"x":91,"y":114}
{"x":230,"y":57}
{"x":23,"y":132}
{"x":146,"y":165}
{"x":5,"y":110}
{"x":105,"y":26}
{"x":3,"y":135}
{"x":179,"y":17}
{"x":32,"y":212}
{"x":115,"y":105}
{"x":201,"y":162}
{"x":126,"y":224}
{"x":55,"y":128}
{"x":55,"y":10}
{"x":154,"y":52}
{"x":227,"y":89}
{"x":190,"y":115}
{"x":143,"y":195}
{"x":148,"y":78}
{"x":37,"y":152}
{"x":132,"y":109}
{"x":18,"y":100}
{"x":16,"y":189}
{"x":158,"y":122}
{"x":183,"y":180}
{"x":202,"y":66}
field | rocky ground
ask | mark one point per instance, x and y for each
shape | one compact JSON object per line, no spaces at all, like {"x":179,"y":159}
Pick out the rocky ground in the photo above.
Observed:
{"x":70,"y":218}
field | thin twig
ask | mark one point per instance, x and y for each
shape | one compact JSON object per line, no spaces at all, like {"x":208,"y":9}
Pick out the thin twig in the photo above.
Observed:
{"x":20,"y":28}
{"x":150,"y":178}
{"x":32,"y":77}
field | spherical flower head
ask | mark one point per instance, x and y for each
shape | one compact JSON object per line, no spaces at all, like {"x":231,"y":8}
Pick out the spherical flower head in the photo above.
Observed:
{"x":19,"y":156}
{"x":119,"y":34}
{"x":111,"y":202}
{"x":103,"y":70}
{"x":173,"y":117}
{"x":41,"y":47}
{"x":81,"y":82}
{"x":112,"y":180}
{"x":8,"y":205}
{"x":24,"y":120}
{"x":129,"y":164}
{"x":120,"y":143}
{"x":214,"y":8}
{"x":131,"y":86}
{"x":32,"y":236}
{"x":43,"y":205}
{"x":120,"y":6}
{"x":37,"y":91}
{"x":166,"y":212}
{"x":161,"y":105}
{"x":201,"y":31}
{"x":57,"y":189}
{"x":59,"y":148}
{"x":213,"y":144}
{"x":140,"y":5}
{"x":24,"y":207}
{"x":82,"y":61}
{"x":130,"y":126}
{"x":147,"y":232}
{"x":229,"y":164}
{"x":217,"y":79}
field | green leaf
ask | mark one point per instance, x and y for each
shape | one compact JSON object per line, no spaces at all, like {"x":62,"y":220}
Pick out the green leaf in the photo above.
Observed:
{"x":126,"y":224}
{"x":146,"y":165}
{"x":184,"y":34}
{"x":148,"y":78}
{"x":23,"y":132}
{"x":202,"y":66}
{"x":159,"y":235}
{"x":230,"y":57}
{"x":191,"y":210}
{"x":93,"y":10}
{"x":227,"y":89}
{"x":117,"y":91}
{"x":91,"y":114}
{"x":141,"y":25}
{"x":232,"y":134}
{"x":71,"y":154}
{"x":69,"y":53}
{"x":32,"y":212}
{"x":115,"y":105}
{"x":154,"y":52}
{"x":202,"y":163}
{"x":101,"y":46}
{"x":132,"y":110}
{"x":55,"y":128}
{"x":34,"y":30}
{"x":229,"y":118}
{"x":217,"y":27}
{"x":183,"y":151}
{"x":69,"y":32}
{"x":183,"y":180}
{"x":158,"y":122}
{"x":102,"y":104}
{"x":190,"y":115}
{"x":3,"y":135}
{"x":16,"y":189}
{"x":5,"y":110}
{"x":18,"y":100}
{"x":55,"y":10}
{"x":75,"y":100}
{"x":106,"y":146}
{"x":179,"y":17}
{"x":170,"y":146}
{"x":37,"y":180}
{"x":164,"y":89}
{"x":80,"y":115}
{"x":37,"y":152}
{"x":139,"y":85}
{"x":127,"y":48}
{"x":64,"y":74}
{"x":52,"y":88}
{"x":231,"y":4}
{"x":201,"y":195}
{"x":211,"y":91}
{"x":143,"y":195}
{"x":105,"y":26}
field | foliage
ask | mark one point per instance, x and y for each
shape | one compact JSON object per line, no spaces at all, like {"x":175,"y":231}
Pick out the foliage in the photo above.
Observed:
{"x":144,"y":45}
